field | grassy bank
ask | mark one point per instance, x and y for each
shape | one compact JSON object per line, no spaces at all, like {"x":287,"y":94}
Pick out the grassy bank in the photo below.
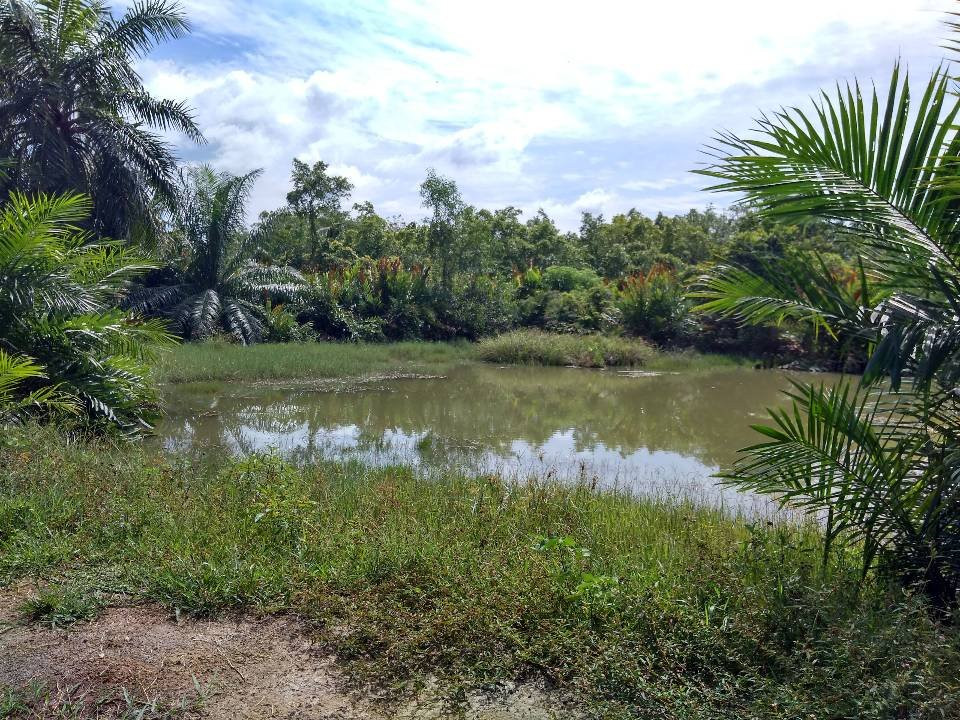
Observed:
{"x":192,"y":362}
{"x":534,"y":347}
{"x":219,"y":361}
{"x":640,"y":609}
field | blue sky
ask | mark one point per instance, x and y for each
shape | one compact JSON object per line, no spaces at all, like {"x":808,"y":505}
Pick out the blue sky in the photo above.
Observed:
{"x":565,"y":106}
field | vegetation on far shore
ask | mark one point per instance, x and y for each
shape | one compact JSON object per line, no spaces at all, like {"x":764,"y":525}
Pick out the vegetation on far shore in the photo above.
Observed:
{"x":534,"y":347}
{"x":634,"y":607}
{"x":215,"y":360}
{"x":226,"y":361}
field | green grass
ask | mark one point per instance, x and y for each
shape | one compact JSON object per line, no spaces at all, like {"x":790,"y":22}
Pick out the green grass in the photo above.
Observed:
{"x":693,"y":361}
{"x":641,"y":609}
{"x":217,"y":361}
{"x":534,"y":347}
{"x":220,"y":361}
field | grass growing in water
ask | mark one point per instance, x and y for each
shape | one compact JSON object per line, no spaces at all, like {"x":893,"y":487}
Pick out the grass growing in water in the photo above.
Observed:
{"x":533,"y":347}
{"x":639,"y":608}
{"x":192,"y":362}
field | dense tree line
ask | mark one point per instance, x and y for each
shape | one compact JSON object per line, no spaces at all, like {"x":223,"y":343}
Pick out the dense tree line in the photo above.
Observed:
{"x":147,"y":242}
{"x":468,"y":271}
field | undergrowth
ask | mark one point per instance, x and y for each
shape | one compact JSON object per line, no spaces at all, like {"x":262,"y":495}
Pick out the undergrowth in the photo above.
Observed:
{"x":637,"y":608}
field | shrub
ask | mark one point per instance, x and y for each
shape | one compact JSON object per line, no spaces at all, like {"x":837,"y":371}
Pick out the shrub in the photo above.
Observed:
{"x":67,"y":342}
{"x":654,"y":306}
{"x":565,"y":279}
{"x":282,"y":326}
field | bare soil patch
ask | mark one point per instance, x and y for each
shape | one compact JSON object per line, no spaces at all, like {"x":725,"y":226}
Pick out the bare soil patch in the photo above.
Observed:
{"x":236,"y":669}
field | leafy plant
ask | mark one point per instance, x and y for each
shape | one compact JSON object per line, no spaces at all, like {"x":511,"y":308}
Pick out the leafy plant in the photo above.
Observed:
{"x":654,"y":305}
{"x":282,"y":326}
{"x":58,"y":294}
{"x":75,"y":116}
{"x":878,"y":462}
{"x":16,"y":405}
{"x":218,"y":286}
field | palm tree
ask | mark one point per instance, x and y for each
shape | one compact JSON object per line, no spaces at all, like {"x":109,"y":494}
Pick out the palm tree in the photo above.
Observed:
{"x":64,"y":343}
{"x":879,"y":460}
{"x":74,"y":115}
{"x":220,"y":286}
{"x":16,"y":404}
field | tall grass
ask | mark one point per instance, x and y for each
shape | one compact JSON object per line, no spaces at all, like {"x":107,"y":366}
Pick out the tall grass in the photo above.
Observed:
{"x":639,"y":608}
{"x":534,"y":347}
{"x":214,"y":360}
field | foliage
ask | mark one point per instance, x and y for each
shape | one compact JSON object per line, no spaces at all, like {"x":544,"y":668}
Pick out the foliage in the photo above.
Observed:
{"x":74,"y":115}
{"x":316,"y":197}
{"x":386,"y":300}
{"x":16,"y":405}
{"x":65,"y":345}
{"x":456,"y":266}
{"x":282,"y":326}
{"x":639,"y":606}
{"x":539,"y":348}
{"x":880,"y":463}
{"x":654,"y":306}
{"x":217,"y":285}
{"x":565,"y":300}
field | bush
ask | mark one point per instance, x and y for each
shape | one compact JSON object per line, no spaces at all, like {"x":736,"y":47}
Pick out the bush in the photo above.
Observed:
{"x":282,"y":326}
{"x":580,"y":311}
{"x":479,"y":307}
{"x":654,"y":306}
{"x":565,"y":279}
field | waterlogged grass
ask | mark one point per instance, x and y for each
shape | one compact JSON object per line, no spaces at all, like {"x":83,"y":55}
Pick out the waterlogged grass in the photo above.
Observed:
{"x":693,"y":361}
{"x":221,"y":361}
{"x":636,"y":608}
{"x":533,"y":347}
{"x":217,"y":361}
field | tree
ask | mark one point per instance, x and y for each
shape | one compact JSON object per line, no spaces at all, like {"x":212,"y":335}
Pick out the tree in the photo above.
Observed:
{"x":219,"y":286}
{"x":74,"y":115}
{"x":442,"y":197}
{"x":368,"y":234}
{"x":317,"y":197}
{"x":63,"y":342}
{"x":878,"y":461}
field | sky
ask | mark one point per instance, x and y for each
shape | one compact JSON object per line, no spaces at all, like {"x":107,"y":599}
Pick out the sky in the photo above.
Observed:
{"x":596,"y":106}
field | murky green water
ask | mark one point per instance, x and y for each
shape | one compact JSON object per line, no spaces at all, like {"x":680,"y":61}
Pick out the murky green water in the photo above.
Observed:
{"x":606,"y":427}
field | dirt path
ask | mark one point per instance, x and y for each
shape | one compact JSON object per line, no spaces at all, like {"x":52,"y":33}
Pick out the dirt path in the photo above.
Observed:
{"x":230,"y":669}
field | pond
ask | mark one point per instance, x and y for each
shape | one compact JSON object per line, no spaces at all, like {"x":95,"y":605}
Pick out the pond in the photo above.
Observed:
{"x":649,"y":433}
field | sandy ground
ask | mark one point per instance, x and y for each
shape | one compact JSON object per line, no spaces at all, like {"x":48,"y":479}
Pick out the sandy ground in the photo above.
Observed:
{"x":239,"y":669}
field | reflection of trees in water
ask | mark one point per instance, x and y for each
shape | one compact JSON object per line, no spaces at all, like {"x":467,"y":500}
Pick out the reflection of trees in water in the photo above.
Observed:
{"x":479,"y":408}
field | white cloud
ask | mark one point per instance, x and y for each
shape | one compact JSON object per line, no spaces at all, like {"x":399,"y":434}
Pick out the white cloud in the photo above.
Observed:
{"x":522,"y":103}
{"x":658,"y":184}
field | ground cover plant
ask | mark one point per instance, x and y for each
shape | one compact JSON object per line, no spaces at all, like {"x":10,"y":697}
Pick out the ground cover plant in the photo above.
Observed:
{"x":223,"y":360}
{"x":638,"y":607}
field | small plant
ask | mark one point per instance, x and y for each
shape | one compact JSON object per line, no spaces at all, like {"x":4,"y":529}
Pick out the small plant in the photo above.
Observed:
{"x":59,"y":606}
{"x":594,"y":591}
{"x":279,"y":506}
{"x":282,"y":326}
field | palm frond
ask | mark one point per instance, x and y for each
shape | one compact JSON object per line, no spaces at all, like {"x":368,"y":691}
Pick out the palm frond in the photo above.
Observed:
{"x":865,"y":166}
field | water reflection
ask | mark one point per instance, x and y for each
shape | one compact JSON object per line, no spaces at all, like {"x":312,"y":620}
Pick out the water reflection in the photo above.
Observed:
{"x":665,"y":432}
